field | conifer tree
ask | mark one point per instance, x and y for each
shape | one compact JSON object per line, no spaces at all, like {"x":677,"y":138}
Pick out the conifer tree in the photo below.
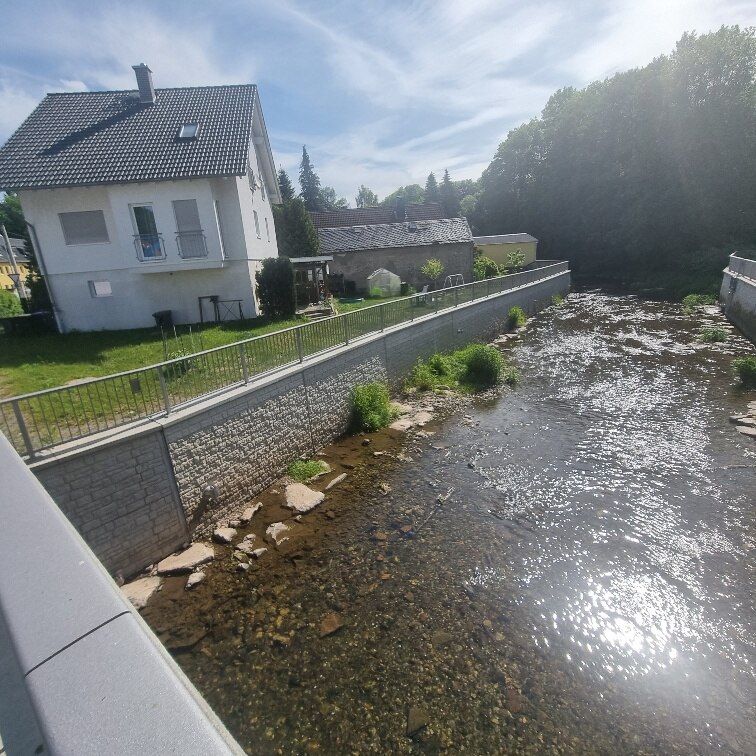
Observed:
{"x":449,"y":198}
{"x":309,"y":183}
{"x":295,"y":232}
{"x":366,"y":197}
{"x":432,"y":193}
{"x":284,"y":183}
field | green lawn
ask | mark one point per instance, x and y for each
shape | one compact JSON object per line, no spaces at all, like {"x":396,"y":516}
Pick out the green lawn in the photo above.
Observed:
{"x":35,"y":362}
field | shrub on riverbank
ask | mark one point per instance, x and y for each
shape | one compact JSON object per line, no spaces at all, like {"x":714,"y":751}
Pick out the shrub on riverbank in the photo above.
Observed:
{"x":745,"y":370}
{"x":694,"y":301}
{"x":371,"y":409}
{"x":475,"y":367}
{"x":712,"y":334}
{"x":304,"y":469}
{"x":516,"y":317}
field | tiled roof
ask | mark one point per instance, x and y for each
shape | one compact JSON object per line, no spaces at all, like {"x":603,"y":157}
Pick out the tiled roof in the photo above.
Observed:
{"x":384,"y":235}
{"x":86,"y":138}
{"x":505,"y":239}
{"x":363,"y":216}
{"x":19,"y":250}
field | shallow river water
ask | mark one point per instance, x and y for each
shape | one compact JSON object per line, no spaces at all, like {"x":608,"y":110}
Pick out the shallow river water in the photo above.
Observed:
{"x":589,"y":585}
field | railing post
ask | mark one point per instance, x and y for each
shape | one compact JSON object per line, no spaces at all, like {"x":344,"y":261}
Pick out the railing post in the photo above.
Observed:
{"x":166,"y":400}
{"x":300,"y":347}
{"x":456,"y":297}
{"x":24,"y":431}
{"x":243,"y":360}
{"x":488,"y":287}
{"x":346,"y":329}
{"x":381,"y":311}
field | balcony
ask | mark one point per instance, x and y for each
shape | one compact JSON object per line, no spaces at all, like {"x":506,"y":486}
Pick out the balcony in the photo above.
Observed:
{"x":192,"y":245}
{"x":149,"y":247}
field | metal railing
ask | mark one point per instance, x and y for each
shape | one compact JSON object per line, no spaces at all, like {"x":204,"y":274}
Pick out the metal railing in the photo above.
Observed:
{"x":149,"y":247}
{"x":43,"y":419}
{"x":191,"y":244}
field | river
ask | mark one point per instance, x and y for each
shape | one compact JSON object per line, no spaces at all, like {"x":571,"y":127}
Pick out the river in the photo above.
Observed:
{"x":588,"y":586}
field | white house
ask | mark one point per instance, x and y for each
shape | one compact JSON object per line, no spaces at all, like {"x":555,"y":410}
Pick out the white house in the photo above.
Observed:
{"x":146,"y":200}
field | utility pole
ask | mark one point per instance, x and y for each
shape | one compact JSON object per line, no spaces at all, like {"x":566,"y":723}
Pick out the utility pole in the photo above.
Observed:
{"x":16,"y":275}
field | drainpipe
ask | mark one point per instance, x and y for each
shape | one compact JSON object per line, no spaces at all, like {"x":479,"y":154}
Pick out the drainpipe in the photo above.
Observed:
{"x":43,"y":271}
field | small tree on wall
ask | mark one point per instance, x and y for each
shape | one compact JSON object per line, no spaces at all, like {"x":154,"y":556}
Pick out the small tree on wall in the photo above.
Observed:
{"x":432,"y":268}
{"x":275,"y":288}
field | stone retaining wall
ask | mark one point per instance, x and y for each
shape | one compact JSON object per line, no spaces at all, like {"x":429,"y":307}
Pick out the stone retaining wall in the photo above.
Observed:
{"x":136,"y":495}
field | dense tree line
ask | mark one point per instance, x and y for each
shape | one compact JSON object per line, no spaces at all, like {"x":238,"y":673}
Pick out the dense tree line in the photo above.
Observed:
{"x":648,"y":175}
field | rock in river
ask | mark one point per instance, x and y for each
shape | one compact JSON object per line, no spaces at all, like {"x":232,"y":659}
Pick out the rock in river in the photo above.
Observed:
{"x":141,"y":591}
{"x":417,"y":719}
{"x":186,"y":561}
{"x":276,"y":530}
{"x":330,"y":624}
{"x":249,"y":513}
{"x":194,"y":579}
{"x":301,"y":498}
{"x":224,"y":535}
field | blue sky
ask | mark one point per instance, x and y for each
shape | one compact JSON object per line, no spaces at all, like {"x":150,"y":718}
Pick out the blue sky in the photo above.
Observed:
{"x":381,"y":92}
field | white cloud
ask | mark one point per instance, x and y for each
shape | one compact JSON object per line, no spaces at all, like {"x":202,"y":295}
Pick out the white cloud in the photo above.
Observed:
{"x":73,"y":85}
{"x":17,"y":105}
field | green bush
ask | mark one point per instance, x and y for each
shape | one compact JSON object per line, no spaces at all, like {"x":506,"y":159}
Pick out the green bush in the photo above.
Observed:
{"x":712,"y":334}
{"x":304,"y":469}
{"x":422,"y":377}
{"x":484,"y":267}
{"x":745,"y":370}
{"x":439,"y":364}
{"x":275,"y":288}
{"x":10,"y":304}
{"x":557,"y":299}
{"x":370,"y":407}
{"x":515,"y":260}
{"x":516,"y":317}
{"x":693,"y":301}
{"x":483,"y":364}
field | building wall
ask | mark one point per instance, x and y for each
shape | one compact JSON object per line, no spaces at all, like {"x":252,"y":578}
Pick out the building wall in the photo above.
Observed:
{"x":405,"y":262}
{"x":500,"y":252}
{"x":123,"y":491}
{"x":738,"y":295}
{"x":141,"y":288}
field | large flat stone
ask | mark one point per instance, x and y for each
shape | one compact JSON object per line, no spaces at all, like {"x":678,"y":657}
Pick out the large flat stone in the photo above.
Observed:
{"x":301,"y":498}
{"x":141,"y":591}
{"x":186,"y":561}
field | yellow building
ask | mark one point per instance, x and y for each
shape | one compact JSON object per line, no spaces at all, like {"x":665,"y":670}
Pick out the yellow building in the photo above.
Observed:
{"x":6,"y":269}
{"x":498,"y":248}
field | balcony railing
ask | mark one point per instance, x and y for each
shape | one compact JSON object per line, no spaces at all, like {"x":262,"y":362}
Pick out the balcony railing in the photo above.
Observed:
{"x":191,"y":244}
{"x":149,"y":247}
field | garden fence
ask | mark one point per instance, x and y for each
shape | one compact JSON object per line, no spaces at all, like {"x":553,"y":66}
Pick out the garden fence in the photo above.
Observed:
{"x":43,"y":419}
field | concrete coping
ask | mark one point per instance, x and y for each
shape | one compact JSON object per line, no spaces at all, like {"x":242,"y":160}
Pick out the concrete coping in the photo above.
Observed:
{"x":96,"y":678}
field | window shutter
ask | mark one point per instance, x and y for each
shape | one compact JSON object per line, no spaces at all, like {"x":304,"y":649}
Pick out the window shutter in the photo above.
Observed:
{"x":86,"y":227}
{"x":187,"y":215}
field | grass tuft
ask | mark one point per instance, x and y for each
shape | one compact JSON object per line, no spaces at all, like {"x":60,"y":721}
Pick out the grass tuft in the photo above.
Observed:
{"x":516,"y":318}
{"x":371,"y":409}
{"x":745,"y":370}
{"x":692,"y":302}
{"x":712,"y":334}
{"x":304,"y":469}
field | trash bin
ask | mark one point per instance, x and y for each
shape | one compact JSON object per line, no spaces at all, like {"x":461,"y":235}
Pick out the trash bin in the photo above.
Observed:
{"x":163,"y":318}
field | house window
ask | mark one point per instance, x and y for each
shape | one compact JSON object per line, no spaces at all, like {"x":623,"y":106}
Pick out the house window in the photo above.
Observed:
{"x":148,"y":242}
{"x":100,"y":289}
{"x":267,"y":229}
{"x":85,"y":227}
{"x":257,"y":224}
{"x":188,"y":131}
{"x":262,"y":180}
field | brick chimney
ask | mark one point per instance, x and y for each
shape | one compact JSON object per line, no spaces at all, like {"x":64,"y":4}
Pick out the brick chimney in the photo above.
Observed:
{"x":144,"y":83}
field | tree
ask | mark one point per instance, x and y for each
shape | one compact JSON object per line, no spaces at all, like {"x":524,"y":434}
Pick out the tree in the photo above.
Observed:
{"x":275,"y":288}
{"x":449,"y":198}
{"x":12,"y":216}
{"x":366,"y":197}
{"x":432,"y":268}
{"x":432,"y":194}
{"x":309,"y":183}
{"x":409,"y":193}
{"x":284,"y":183}
{"x":295,"y":231}
{"x":328,"y":200}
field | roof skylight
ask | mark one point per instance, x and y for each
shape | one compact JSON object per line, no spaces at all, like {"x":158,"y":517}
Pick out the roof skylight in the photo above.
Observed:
{"x":188,"y":131}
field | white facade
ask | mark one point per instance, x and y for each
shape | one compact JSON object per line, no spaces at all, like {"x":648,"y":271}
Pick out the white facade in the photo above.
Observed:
{"x":105,"y":285}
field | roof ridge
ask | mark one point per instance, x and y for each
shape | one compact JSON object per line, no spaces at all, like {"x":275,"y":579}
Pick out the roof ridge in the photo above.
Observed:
{"x":136,"y":91}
